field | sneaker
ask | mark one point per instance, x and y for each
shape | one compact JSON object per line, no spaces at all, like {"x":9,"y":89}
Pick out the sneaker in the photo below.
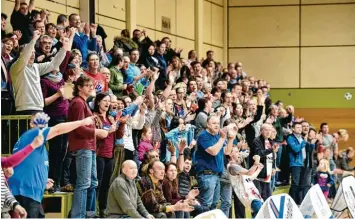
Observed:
{"x":67,"y":188}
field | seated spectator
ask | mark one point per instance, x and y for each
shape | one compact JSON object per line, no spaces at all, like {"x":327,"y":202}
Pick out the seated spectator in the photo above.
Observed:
{"x":148,"y":157}
{"x":344,"y":159}
{"x":151,"y":192}
{"x":26,"y":74}
{"x":123,"y":198}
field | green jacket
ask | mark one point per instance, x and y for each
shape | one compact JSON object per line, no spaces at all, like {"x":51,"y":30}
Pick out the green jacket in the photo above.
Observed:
{"x":116,"y":81}
{"x":123,"y":199}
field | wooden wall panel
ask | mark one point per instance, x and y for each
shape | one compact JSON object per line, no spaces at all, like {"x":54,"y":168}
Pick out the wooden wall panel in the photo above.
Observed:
{"x":164,"y":8}
{"x":185,"y":25}
{"x":262,"y":2}
{"x":328,"y":67}
{"x":278,"y":66}
{"x":217,"y":25}
{"x":264,"y":26}
{"x":207,"y":22}
{"x":146,"y":13}
{"x":328,"y":25}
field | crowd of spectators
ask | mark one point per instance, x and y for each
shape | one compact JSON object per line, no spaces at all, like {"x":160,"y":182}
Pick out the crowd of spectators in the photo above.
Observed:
{"x":138,"y":131}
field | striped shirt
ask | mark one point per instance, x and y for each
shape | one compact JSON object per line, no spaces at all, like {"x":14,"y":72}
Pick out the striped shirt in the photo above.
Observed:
{"x":7,"y":199}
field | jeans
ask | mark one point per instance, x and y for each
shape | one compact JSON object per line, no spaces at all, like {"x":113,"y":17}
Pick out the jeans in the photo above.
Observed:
{"x":84,"y":198}
{"x":209,"y":186}
{"x":255,"y":207}
{"x":56,"y":154}
{"x":226,"y":197}
{"x":68,"y":174}
{"x":295,"y":184}
{"x":104,"y":173}
{"x":272,"y":183}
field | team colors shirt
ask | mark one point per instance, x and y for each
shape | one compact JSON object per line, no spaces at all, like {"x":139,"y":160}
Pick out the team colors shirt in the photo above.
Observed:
{"x":100,"y":83}
{"x":243,"y":186}
{"x":31,"y":175}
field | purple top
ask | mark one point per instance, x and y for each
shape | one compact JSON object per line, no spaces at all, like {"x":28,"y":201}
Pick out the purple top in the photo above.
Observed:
{"x":143,"y":147}
{"x":60,"y":106}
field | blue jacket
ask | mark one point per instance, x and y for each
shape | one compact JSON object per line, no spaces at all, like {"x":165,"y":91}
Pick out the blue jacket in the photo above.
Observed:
{"x":130,"y":110}
{"x":175,"y":136}
{"x":84,"y":44}
{"x":295,"y":150}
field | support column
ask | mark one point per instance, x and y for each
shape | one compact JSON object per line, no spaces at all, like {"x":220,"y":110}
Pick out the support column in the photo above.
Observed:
{"x":84,"y":11}
{"x":225,"y":33}
{"x":131,"y":15}
{"x":199,"y":28}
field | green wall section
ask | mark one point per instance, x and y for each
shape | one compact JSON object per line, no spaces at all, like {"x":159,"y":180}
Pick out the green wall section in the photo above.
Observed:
{"x":314,"y":98}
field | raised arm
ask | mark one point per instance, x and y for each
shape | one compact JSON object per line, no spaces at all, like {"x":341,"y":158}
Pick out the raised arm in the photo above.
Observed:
{"x":31,"y":6}
{"x":17,"y":5}
{"x":44,"y":68}
{"x":66,"y":127}
{"x":19,"y":66}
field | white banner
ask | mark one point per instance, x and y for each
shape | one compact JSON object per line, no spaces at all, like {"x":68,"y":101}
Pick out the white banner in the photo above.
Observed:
{"x":315,"y":202}
{"x":345,"y":198}
{"x":214,"y":214}
{"x":279,"y":206}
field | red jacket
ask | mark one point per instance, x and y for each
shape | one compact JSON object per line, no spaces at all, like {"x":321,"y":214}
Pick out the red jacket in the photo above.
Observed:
{"x":84,"y":136}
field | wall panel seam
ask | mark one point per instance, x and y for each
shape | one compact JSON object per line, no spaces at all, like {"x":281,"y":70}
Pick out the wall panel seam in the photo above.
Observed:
{"x":210,"y":44}
{"x":302,"y":4}
{"x":175,"y":35}
{"x":214,"y":3}
{"x":277,"y":47}
{"x":102,"y":15}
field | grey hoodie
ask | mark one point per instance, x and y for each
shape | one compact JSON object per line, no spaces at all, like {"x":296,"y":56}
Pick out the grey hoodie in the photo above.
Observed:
{"x":26,"y":78}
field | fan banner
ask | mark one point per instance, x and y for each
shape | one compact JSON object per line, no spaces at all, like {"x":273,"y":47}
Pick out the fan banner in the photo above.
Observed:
{"x":279,"y":206}
{"x":345,"y":198}
{"x":315,"y":203}
{"x":214,"y":214}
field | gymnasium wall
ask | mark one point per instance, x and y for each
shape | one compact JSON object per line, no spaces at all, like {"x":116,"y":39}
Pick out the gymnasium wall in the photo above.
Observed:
{"x":307,"y":45}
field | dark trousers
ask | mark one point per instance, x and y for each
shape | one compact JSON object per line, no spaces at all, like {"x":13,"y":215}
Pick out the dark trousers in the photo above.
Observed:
{"x":264,"y":189}
{"x":57,"y":149}
{"x":306,"y":180}
{"x":33,"y":208}
{"x":239,"y":208}
{"x":104,"y":172}
{"x":128,"y":155}
{"x":69,"y":170}
{"x":295,"y":184}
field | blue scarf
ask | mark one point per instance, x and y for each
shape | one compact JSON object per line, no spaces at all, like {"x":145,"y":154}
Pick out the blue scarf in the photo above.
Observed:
{"x":55,"y":78}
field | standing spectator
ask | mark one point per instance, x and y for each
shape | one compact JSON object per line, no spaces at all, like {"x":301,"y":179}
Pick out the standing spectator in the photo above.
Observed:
{"x":26,"y":75}
{"x":21,"y":20}
{"x":116,"y":80}
{"x":298,"y":155}
{"x":31,"y":175}
{"x":83,"y":142}
{"x":263,"y":147}
{"x":7,"y":47}
{"x":3,"y":25}
{"x":62,"y":20}
{"x":209,"y":160}
{"x":82,"y":40}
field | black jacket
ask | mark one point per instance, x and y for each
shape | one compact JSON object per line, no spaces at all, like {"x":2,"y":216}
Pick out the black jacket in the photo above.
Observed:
{"x":249,"y":129}
{"x":258,"y":148}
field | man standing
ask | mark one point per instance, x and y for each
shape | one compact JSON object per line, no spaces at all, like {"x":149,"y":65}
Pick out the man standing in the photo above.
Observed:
{"x":30,"y":176}
{"x":82,"y":142}
{"x":209,"y":160}
{"x":26,"y":75}
{"x":297,"y":145}
{"x":263,"y":147}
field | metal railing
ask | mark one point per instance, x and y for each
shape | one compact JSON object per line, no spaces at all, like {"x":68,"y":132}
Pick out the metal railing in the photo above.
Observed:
{"x":12,"y":126}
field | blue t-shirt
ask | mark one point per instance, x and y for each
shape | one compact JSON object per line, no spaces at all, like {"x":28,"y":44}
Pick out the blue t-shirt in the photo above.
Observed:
{"x":31,"y":175}
{"x":205,"y":161}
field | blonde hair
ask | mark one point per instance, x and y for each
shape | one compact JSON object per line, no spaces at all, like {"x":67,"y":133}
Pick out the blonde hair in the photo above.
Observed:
{"x":327,"y":166}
